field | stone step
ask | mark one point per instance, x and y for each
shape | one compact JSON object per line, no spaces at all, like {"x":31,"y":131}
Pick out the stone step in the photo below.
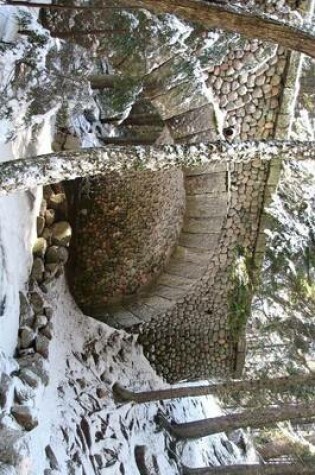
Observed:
{"x":123,"y":317}
{"x":171,"y":103}
{"x":171,"y":293}
{"x":189,"y":270}
{"x":141,"y":311}
{"x":199,"y":241}
{"x":206,"y":183}
{"x":203,"y":225}
{"x":192,"y":122}
{"x":206,"y":206}
{"x":175,"y":281}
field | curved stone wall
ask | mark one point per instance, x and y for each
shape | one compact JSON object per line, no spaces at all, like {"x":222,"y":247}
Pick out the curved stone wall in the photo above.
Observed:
{"x":184,"y":317}
{"x":124,"y":230}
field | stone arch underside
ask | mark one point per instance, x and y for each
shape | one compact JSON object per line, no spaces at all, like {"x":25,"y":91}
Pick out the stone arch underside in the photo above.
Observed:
{"x":183,"y":317}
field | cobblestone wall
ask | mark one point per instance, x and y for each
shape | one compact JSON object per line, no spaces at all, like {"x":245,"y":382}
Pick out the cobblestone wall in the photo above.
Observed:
{"x":124,"y":230}
{"x":184,"y":319}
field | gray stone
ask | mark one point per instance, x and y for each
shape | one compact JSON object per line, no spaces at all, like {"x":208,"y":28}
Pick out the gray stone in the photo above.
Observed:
{"x":38,"y":269}
{"x":37,"y":364}
{"x":26,"y":416}
{"x":27,"y":337}
{"x":26,"y":311}
{"x":7,"y":384}
{"x":61,"y":233}
{"x":47,"y":330}
{"x":40,"y":322}
{"x":42,"y":345}
{"x":39,"y":247}
{"x":48,"y":311}
{"x":37,"y":302}
{"x":30,"y":378}
{"x":57,"y":254}
{"x":47,"y":235}
{"x":12,"y":448}
{"x":23,"y":392}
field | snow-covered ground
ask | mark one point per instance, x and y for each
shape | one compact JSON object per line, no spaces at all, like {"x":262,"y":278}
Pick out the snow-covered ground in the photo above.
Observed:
{"x":81,"y":430}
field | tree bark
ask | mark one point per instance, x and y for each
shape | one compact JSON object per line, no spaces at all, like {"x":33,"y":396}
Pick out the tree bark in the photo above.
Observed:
{"x":23,"y":3}
{"x":223,"y":388}
{"x":23,"y":174}
{"x":267,"y":469}
{"x":235,"y":19}
{"x":217,"y":15}
{"x":253,"y":417}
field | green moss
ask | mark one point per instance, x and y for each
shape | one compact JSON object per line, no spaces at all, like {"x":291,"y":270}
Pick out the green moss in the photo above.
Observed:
{"x":240,"y":294}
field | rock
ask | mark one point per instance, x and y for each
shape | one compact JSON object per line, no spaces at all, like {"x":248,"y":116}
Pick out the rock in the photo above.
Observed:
{"x":58,"y":203}
{"x":50,"y":216}
{"x":26,"y":311}
{"x":23,"y":392}
{"x":42,"y":345}
{"x":7,"y":384}
{"x":50,"y":454}
{"x":47,"y":330}
{"x":40,"y":225}
{"x":40,"y":322}
{"x":37,"y":364}
{"x":37,"y":302}
{"x":38,"y":269}
{"x":12,"y":448}
{"x":26,"y":416}
{"x":101,"y":392}
{"x":275,"y":80}
{"x":61,"y":233}
{"x":47,"y":235}
{"x":56,"y":254}
{"x":30,"y":378}
{"x":39,"y":247}
{"x":48,"y":311}
{"x":27,"y":337}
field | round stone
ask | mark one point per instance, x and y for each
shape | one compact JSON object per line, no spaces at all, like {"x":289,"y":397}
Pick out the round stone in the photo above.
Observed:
{"x":56,"y":254}
{"x":38,"y":269}
{"x":61,"y":233}
{"x":50,"y":215}
{"x":39,"y":247}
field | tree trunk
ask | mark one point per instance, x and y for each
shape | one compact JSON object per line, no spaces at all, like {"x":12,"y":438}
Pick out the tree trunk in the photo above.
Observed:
{"x":19,"y":175}
{"x":219,"y":389}
{"x":23,"y":3}
{"x":218,"y":15}
{"x":253,"y":417}
{"x":235,"y":19}
{"x":267,"y":469}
